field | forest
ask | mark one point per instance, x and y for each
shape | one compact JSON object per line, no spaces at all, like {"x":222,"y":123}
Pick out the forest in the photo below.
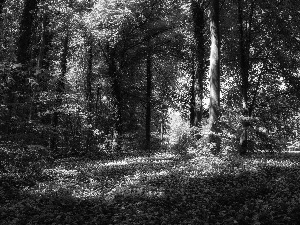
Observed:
{"x":149,"y":112}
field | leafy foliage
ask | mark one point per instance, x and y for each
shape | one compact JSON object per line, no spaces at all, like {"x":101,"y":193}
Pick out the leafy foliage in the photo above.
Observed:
{"x":76,"y":105}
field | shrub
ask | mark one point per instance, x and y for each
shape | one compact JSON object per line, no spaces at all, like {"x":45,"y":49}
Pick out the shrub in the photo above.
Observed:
{"x":29,"y":159}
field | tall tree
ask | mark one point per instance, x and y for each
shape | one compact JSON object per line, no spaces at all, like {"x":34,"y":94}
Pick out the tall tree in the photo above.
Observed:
{"x":89,"y":90}
{"x":193,"y":112}
{"x":214,"y":78}
{"x":60,"y":89}
{"x":26,"y":31}
{"x":148,"y":99}
{"x":19,"y":89}
{"x":45,"y":40}
{"x":114,"y":75}
{"x":2,"y":2}
{"x":244,"y":46}
{"x":198,"y":12}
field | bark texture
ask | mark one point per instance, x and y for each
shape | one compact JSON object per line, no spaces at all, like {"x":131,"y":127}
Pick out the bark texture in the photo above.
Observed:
{"x":244,"y":46}
{"x":197,"y":8}
{"x":214,"y":79}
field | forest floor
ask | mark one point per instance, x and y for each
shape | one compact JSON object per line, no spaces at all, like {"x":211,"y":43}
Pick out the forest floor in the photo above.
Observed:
{"x":162,"y":189}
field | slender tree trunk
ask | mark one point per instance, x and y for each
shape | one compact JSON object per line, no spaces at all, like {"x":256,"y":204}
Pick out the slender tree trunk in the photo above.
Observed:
{"x":45,"y":46}
{"x":24,"y":46}
{"x":98,"y":102}
{"x":26,"y":31}
{"x":162,"y":131}
{"x":244,"y":45}
{"x":60,"y":89}
{"x":43,"y":59}
{"x":2,"y":2}
{"x":148,"y":101}
{"x":2,"y":38}
{"x":116,"y":91}
{"x":197,"y":7}
{"x":214,"y":82}
{"x":118,"y":103}
{"x":193,"y":99}
{"x":89,"y":93}
{"x":244,"y":81}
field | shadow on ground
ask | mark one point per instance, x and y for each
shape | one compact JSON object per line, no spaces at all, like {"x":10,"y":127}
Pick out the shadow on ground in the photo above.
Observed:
{"x":159,"y":191}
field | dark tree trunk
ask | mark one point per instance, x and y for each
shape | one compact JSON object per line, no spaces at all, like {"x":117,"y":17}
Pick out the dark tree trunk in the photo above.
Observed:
{"x":26,"y":32}
{"x":148,"y":101}
{"x":214,"y":82}
{"x":244,"y":46}
{"x":193,"y":99}
{"x":89,"y":75}
{"x":45,"y":46}
{"x":197,"y":7}
{"x":2,"y":2}
{"x":89,"y":93}
{"x":60,"y":89}
{"x":118,"y":103}
{"x":19,"y":91}
{"x":43,"y":61}
{"x":116,"y":92}
{"x":2,"y":39}
{"x":98,"y":102}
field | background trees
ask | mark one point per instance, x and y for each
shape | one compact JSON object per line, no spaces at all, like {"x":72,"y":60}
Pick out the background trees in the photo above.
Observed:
{"x":105,"y":77}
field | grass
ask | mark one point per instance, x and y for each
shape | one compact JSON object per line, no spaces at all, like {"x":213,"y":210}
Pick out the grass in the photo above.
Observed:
{"x":162,"y":189}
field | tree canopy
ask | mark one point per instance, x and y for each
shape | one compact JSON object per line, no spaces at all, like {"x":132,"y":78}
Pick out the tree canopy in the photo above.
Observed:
{"x":106,"y":77}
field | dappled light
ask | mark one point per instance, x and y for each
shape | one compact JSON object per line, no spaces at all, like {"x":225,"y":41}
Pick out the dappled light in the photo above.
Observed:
{"x":140,"y":112}
{"x":200,"y":190}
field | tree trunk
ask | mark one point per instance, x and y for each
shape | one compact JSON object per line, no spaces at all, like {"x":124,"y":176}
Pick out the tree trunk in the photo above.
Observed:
{"x":116,"y":92}
{"x":19,"y":90}
{"x":193,"y":99}
{"x":214,"y":82}
{"x":60,"y":89}
{"x":24,"y":49}
{"x":148,"y":102}
{"x":26,"y":31}
{"x":197,"y":7}
{"x":89,"y":93}
{"x":244,"y":45}
{"x":43,"y":61}
{"x":45,"y":46}
{"x":2,"y":2}
{"x":2,"y":38}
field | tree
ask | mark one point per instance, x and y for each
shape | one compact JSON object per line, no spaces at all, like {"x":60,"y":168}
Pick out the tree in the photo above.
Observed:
{"x":214,"y":76}
{"x":244,"y":45}
{"x":26,"y":32}
{"x":20,"y":89}
{"x":2,"y":2}
{"x":198,"y":13}
{"x":148,"y":99}
{"x":89,"y":89}
{"x":45,"y":40}
{"x":60,"y":84}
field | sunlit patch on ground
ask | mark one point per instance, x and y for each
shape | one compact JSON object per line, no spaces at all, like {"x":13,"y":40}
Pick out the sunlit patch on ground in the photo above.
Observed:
{"x":166,"y":189}
{"x":94,"y":179}
{"x":133,"y":176}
